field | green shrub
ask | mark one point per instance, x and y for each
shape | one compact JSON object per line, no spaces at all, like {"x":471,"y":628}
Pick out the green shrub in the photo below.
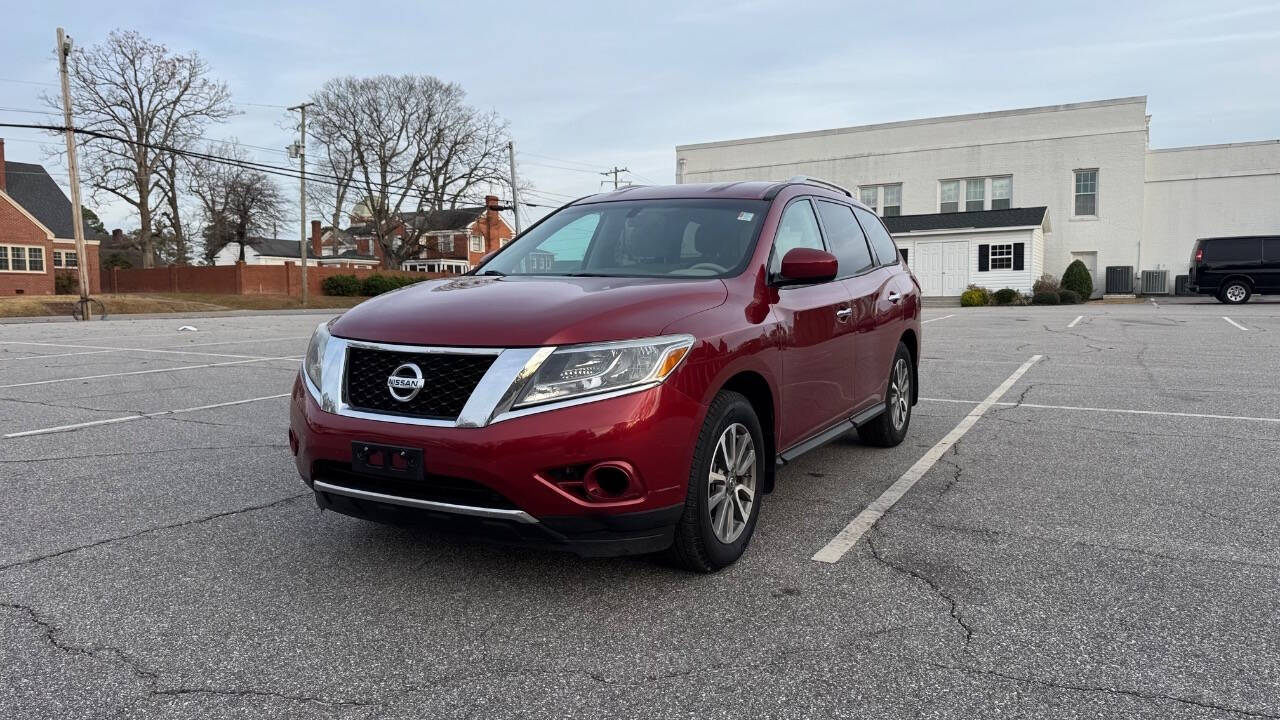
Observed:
{"x":66,"y":284}
{"x":1045,"y":298}
{"x":975,"y":297}
{"x":1006,"y":296}
{"x":1078,"y":280}
{"x":1069,"y":297}
{"x":1046,"y":283}
{"x":341,"y":285}
{"x":378,"y":284}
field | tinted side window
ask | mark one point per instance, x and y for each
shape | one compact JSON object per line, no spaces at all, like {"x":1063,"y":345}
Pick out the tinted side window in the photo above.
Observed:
{"x":846,"y":239}
{"x":1271,"y":249}
{"x":1233,"y":250}
{"x":886,"y":251}
{"x":798,"y":228}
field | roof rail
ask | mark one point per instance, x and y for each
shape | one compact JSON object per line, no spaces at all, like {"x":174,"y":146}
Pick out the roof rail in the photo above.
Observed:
{"x":819,"y":181}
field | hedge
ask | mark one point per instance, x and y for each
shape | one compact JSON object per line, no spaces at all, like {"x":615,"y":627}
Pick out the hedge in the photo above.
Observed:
{"x":1069,"y":297}
{"x":378,"y":284}
{"x":1045,"y":298}
{"x":1078,"y":280}
{"x":1006,"y":296}
{"x":975,"y":297}
{"x":341,"y":285}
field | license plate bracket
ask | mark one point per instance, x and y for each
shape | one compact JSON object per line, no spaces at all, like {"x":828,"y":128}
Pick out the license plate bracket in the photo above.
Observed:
{"x":388,"y":461}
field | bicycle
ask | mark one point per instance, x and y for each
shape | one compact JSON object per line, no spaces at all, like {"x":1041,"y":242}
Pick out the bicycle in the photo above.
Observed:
{"x":97,"y":311}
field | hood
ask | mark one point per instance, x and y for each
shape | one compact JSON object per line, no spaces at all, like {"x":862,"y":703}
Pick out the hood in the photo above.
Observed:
{"x":470,"y":311}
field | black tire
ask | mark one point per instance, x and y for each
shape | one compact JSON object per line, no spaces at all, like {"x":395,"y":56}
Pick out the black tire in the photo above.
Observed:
{"x":1235,"y":292}
{"x":889,"y":427}
{"x":698,"y":546}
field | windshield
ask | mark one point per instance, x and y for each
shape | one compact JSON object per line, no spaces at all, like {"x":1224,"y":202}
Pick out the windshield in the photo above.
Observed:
{"x":637,"y":238}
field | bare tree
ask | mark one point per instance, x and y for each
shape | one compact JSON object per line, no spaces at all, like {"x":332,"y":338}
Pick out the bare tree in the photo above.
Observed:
{"x":236,"y":202}
{"x":137,"y":90}
{"x":329,"y":194}
{"x":415,"y":147}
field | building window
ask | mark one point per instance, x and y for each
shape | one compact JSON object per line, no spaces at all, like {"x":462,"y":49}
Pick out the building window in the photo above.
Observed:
{"x":1001,"y":193}
{"x":21,"y":258}
{"x":1002,"y":257}
{"x":885,"y":200}
{"x":949,"y":196}
{"x":64,"y":259}
{"x":445,"y":244}
{"x":1086,"y":192}
{"x":477,"y":244}
{"x":869,"y":196}
{"x":975,"y":194}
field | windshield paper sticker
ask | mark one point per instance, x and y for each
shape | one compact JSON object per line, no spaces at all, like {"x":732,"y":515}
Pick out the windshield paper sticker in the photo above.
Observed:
{"x":746,"y":216}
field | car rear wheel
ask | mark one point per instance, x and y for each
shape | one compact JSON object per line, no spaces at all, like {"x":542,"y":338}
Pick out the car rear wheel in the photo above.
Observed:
{"x":1235,"y":292}
{"x":890,"y":427}
{"x":723,"y":499}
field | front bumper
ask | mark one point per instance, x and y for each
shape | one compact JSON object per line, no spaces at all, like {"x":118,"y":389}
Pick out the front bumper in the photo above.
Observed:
{"x":511,"y":467}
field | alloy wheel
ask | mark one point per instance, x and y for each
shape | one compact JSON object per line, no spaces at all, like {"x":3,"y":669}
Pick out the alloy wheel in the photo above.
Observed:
{"x":731,"y":484}
{"x":899,"y":393}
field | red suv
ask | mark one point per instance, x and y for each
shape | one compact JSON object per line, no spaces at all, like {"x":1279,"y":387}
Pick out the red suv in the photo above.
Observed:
{"x":624,"y":377}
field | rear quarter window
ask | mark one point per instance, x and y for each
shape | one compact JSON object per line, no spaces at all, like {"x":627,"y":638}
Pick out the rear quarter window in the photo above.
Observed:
{"x":1271,"y":249}
{"x":1233,"y":250}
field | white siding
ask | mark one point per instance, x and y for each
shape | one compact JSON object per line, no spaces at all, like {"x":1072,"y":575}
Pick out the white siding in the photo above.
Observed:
{"x":1019,"y":280}
{"x":1208,"y":191}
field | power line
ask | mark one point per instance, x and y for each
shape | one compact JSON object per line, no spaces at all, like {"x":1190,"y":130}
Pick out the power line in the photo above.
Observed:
{"x":556,"y":159}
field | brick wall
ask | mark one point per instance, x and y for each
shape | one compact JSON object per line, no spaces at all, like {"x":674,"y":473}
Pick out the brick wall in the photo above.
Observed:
{"x":17,"y":228}
{"x":238,"y":279}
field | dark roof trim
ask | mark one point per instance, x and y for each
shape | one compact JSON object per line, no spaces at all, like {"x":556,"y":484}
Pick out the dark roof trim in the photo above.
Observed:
{"x":977,"y":220}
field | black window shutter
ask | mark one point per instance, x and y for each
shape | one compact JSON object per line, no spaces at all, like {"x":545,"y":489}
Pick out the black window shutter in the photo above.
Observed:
{"x":1017,"y":256}
{"x":984,"y":258}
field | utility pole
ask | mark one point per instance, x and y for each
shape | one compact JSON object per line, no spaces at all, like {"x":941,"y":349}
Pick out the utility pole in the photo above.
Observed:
{"x":299,"y":150}
{"x":515,"y":201}
{"x":73,"y":170}
{"x":615,"y":172}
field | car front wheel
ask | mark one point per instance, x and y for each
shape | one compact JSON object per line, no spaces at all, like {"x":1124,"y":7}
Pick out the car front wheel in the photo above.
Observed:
{"x":1235,"y":292}
{"x":723,"y":498}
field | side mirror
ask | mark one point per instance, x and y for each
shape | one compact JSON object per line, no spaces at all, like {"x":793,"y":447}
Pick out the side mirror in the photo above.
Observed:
{"x":807,"y":265}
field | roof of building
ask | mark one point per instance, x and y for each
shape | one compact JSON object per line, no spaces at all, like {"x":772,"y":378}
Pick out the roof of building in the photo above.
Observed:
{"x":275,"y":247}
{"x":31,"y":187}
{"x":977,"y":220}
{"x":432,"y":221}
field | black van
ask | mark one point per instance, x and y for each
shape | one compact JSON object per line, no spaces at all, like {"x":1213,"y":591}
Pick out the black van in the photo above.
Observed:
{"x":1234,"y":268}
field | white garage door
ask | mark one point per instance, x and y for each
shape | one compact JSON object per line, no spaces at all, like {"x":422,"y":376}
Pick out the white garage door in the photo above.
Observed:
{"x":942,"y":267}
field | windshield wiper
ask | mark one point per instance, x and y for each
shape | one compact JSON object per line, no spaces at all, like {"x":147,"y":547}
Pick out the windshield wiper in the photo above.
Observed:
{"x":497,"y":273}
{"x":587,"y":274}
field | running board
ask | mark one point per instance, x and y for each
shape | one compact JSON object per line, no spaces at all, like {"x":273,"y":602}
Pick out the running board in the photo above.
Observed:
{"x":831,"y":433}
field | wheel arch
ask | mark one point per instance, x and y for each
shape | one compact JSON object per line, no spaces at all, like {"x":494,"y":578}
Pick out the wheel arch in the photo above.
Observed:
{"x":912,"y":341}
{"x":1238,"y":276}
{"x":753,"y":386}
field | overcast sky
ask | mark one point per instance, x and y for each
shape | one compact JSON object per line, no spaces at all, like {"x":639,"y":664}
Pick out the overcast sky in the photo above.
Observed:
{"x":587,"y":85}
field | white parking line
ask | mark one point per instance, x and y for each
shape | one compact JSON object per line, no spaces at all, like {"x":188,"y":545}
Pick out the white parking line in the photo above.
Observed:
{"x":108,"y":348}
{"x":147,"y":372}
{"x":847,"y":537}
{"x":56,"y":355}
{"x":1122,"y":411}
{"x":1073,"y":322}
{"x":944,"y":317}
{"x":1233,"y":322}
{"x":236,"y":342}
{"x":128,"y":418}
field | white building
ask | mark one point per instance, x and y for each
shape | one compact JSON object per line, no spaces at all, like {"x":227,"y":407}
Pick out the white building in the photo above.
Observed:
{"x":1110,"y":199}
{"x":275,"y":251}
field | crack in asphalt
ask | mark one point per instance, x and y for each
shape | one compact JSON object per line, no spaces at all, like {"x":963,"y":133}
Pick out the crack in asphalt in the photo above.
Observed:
{"x":953,"y":605}
{"x":1057,"y":685}
{"x":148,"y":531}
{"x":52,"y":635}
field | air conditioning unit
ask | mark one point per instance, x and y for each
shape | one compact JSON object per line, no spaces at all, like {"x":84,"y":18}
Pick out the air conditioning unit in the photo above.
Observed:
{"x":1120,"y":280}
{"x":1180,"y":284}
{"x":1155,"y":282}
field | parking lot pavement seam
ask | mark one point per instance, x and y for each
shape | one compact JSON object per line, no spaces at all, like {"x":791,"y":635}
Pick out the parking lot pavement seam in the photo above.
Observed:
{"x":116,"y":656}
{"x":159,"y":414}
{"x":148,"y":531}
{"x":1080,"y":687}
{"x":953,"y":605}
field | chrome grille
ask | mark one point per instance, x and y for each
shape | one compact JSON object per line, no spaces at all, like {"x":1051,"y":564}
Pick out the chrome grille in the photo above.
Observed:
{"x":449,"y":380}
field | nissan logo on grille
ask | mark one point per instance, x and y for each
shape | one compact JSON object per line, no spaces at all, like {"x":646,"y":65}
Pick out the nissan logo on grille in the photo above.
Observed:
{"x":405,"y":382}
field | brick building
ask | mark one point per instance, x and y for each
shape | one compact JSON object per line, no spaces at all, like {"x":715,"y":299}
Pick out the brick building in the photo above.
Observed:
{"x":453,"y":241}
{"x":36,"y":236}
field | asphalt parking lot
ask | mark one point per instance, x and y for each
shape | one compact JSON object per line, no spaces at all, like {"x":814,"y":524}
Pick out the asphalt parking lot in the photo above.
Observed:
{"x":1101,"y":542}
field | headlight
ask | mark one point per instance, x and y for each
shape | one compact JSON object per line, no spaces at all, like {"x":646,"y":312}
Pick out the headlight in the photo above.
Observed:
{"x":590,"y":369}
{"x":314,"y":362}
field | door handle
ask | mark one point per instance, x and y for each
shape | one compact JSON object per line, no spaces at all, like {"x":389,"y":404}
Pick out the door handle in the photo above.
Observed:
{"x":894,"y":296}
{"x":843,"y":314}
